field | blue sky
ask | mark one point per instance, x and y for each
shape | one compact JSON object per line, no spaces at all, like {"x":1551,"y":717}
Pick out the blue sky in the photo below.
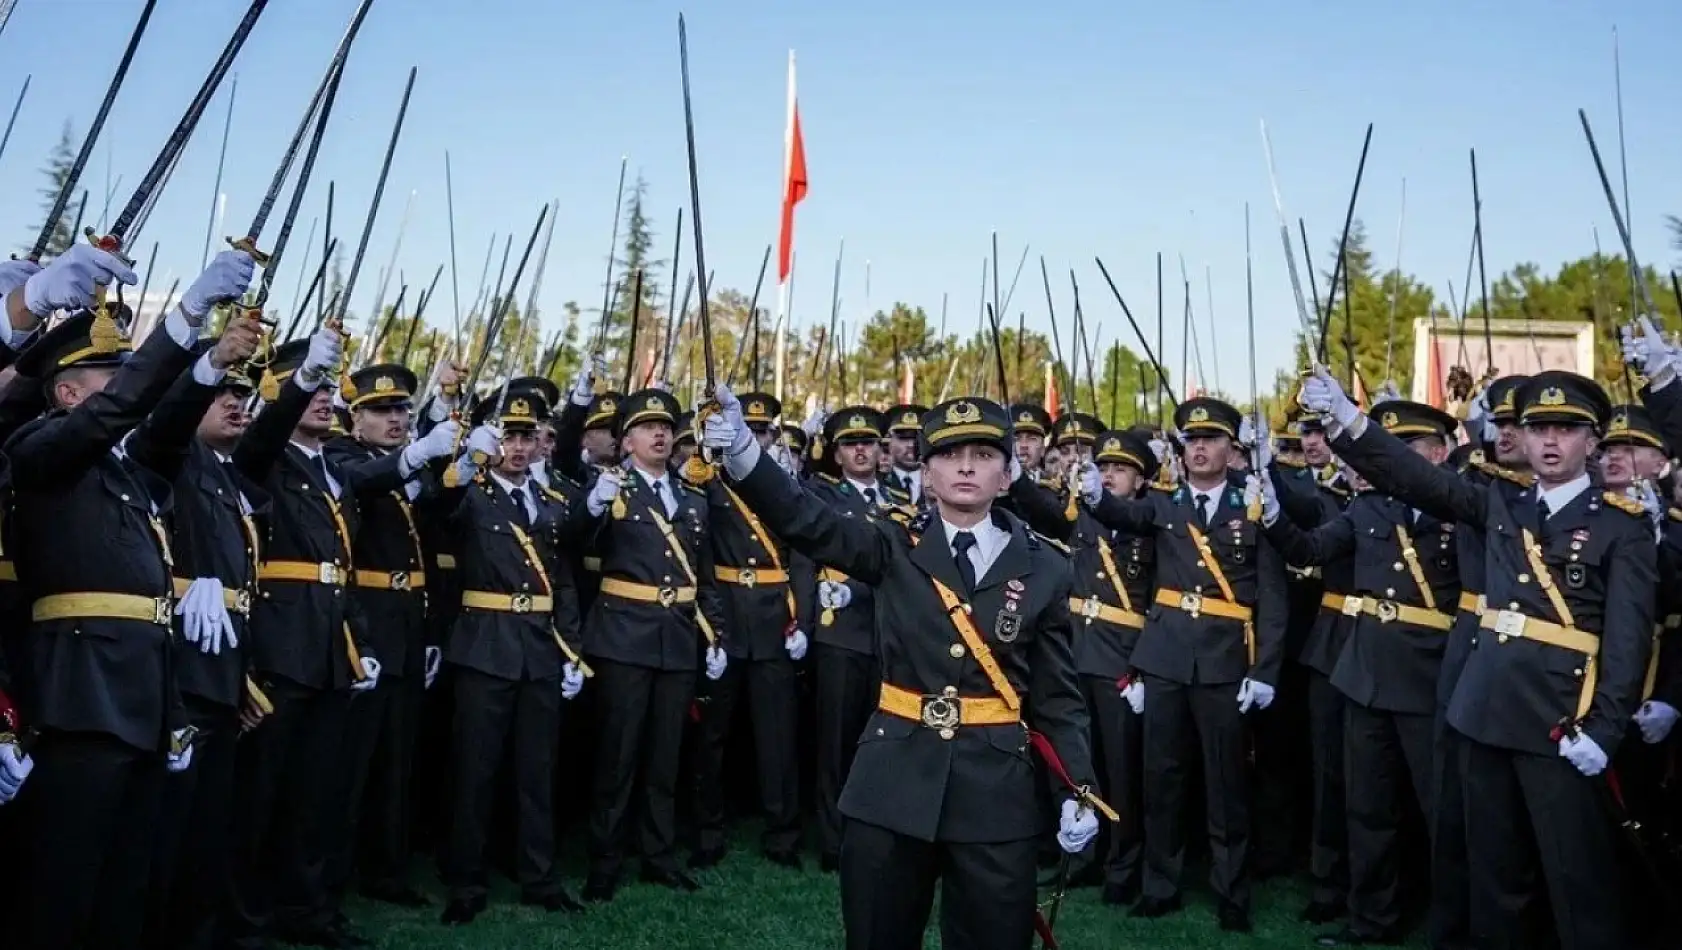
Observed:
{"x":1078,"y":127}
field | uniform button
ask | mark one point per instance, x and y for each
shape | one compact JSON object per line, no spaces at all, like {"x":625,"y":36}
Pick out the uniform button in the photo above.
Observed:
{"x":525,"y":586}
{"x":880,"y":732}
{"x":1398,"y":566}
{"x":1199,"y":563}
{"x":125,"y":498}
{"x":1524,"y":578}
{"x":950,"y":692}
{"x":1577,"y":673}
{"x":1513,"y":605}
{"x":1502,"y":638}
{"x":957,"y":651}
{"x":752,"y":562}
{"x":1389,"y":591}
{"x":1099,"y":575}
{"x":947,"y":734}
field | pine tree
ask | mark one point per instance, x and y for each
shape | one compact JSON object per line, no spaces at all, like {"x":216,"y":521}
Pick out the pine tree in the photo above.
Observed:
{"x":57,"y":172}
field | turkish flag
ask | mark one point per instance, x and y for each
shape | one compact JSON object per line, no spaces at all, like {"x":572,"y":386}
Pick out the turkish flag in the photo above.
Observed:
{"x":794,"y":180}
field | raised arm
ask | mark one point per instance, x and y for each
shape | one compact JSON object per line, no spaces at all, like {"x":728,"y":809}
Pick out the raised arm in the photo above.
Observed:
{"x":1042,"y":509}
{"x":1397,"y":470}
{"x":264,"y":441}
{"x":1313,"y":548}
{"x":853,"y":546}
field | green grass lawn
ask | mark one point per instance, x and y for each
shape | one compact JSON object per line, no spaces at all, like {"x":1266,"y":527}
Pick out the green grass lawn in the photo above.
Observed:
{"x":750,"y":904}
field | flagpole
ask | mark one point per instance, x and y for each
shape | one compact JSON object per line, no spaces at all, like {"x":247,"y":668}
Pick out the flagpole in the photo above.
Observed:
{"x":779,"y":329}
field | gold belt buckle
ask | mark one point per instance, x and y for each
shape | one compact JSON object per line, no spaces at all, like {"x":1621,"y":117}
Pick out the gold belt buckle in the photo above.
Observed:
{"x":1509,"y":623}
{"x":1091,"y":607}
{"x":327,"y":573}
{"x":399,"y":580}
{"x":162,"y":611}
{"x":1192,"y":604}
{"x":668,"y":596}
{"x":242,"y":602}
{"x":1352,"y":606}
{"x":520,"y":603}
{"x":940,"y":712}
{"x":749,"y":576}
{"x":1386,"y":610}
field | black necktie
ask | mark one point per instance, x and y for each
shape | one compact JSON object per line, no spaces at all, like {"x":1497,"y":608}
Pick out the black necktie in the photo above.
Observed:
{"x":660,"y":494}
{"x":1203,"y":510}
{"x":870,"y":496}
{"x":320,"y":467}
{"x":962,"y":543}
{"x":1542,"y":513}
{"x":518,"y":493}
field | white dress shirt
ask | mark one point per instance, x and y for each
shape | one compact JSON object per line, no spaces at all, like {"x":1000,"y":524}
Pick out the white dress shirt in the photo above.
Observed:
{"x":662,"y":487}
{"x":1559,"y":496}
{"x":913,"y":479}
{"x":312,"y":454}
{"x":862,"y":487}
{"x":990,"y":541}
{"x":521,"y":493}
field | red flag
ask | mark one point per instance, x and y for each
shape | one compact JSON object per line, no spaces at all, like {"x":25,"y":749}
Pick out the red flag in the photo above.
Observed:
{"x":1051,"y":402}
{"x":794,"y":179}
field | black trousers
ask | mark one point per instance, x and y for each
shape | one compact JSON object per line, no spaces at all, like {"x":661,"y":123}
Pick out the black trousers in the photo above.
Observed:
{"x":888,"y":882}
{"x":848,"y":685}
{"x":1182,"y":724}
{"x":1525,"y":811}
{"x":371,"y":798}
{"x":193,"y":839}
{"x":284,"y":776}
{"x":489,"y":712}
{"x":92,"y":806}
{"x":1117,"y":740}
{"x":1282,"y":773}
{"x":1386,"y":758}
{"x":772,"y":708}
{"x":642,"y":713}
{"x":1328,"y":851}
{"x":1450,"y":920}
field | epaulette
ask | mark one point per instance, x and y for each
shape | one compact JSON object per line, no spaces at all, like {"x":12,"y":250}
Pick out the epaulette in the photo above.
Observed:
{"x":1624,"y":503}
{"x":902,"y":497}
{"x":917,"y":522}
{"x":553,"y":495}
{"x":1052,"y":543}
{"x":1521,"y":479}
{"x":1163,"y":486}
{"x":697,"y":489}
{"x":1292,"y":464}
{"x":825,"y":476}
{"x":1675,"y":514}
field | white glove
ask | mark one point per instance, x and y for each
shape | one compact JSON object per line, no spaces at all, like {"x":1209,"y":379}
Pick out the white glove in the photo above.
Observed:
{"x":327,"y":346}
{"x":604,"y":491}
{"x":716,"y":661}
{"x":725,"y":429}
{"x":1076,"y":828}
{"x":1269,"y":498}
{"x":572,"y":681}
{"x":1642,"y":491}
{"x":227,"y":278}
{"x":370,"y":676}
{"x":1324,"y":395}
{"x":1091,"y":483}
{"x":833,"y":595}
{"x":1264,"y":452}
{"x":1254,"y":694}
{"x":814,"y":422}
{"x":795,"y":644}
{"x":1134,"y":693}
{"x":14,"y":274}
{"x":434,"y":663}
{"x":584,"y":384}
{"x":204,"y":616}
{"x":14,"y":768}
{"x":486,"y":441}
{"x":1656,"y":719}
{"x":180,"y":761}
{"x":1246,"y":432}
{"x":784,"y":459}
{"x":435,"y":444}
{"x":1389,"y":391}
{"x":1647,"y":352}
{"x":1583,"y":753}
{"x":68,"y":282}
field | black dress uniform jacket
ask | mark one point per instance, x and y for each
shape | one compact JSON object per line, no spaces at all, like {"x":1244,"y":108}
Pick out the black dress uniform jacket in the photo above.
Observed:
{"x":212,"y":532}
{"x":301,"y":626}
{"x":507,"y":645}
{"x":1387,"y":664}
{"x":853,"y":627}
{"x":634,"y":548}
{"x":1309,"y":501}
{"x":757,"y":615}
{"x":84,"y":521}
{"x":1206,"y":649}
{"x":388,"y":557}
{"x":978,"y":784}
{"x":1600,"y":557}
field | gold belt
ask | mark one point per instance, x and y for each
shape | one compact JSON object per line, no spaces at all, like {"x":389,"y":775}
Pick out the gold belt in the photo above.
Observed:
{"x":647,"y":593}
{"x":1387,"y":611}
{"x":1199,"y":604}
{"x":1510,"y":624}
{"x":237,"y":600}
{"x":391,"y":580}
{"x":1094,"y":609}
{"x":8,"y":570}
{"x":507,"y":603}
{"x":1471,"y":603}
{"x":91,"y":604}
{"x":306,"y":572}
{"x":947,"y":710}
{"x":750,"y":576}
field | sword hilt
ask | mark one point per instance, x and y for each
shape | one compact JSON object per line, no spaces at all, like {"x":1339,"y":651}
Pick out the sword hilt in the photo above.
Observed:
{"x":248,"y":244}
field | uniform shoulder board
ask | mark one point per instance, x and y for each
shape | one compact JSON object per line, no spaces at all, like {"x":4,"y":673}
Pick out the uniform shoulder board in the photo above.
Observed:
{"x":1624,"y":503}
{"x":554,"y":495}
{"x":1049,"y":542}
{"x":1163,"y":486}
{"x":826,"y":477}
{"x":902,"y":497}
{"x":917,"y":521}
{"x":697,"y":489}
{"x":1675,"y":514}
{"x":1521,"y":479}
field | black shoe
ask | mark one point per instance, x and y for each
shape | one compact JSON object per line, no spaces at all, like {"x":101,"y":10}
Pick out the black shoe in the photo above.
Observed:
{"x":829,"y":863}
{"x":787,"y":859}
{"x":599,"y":888}
{"x":1349,"y":937}
{"x":557,"y":901}
{"x":398,"y":894}
{"x":462,"y":910}
{"x":1234,"y":919}
{"x":1150,"y":908}
{"x":670,"y":877}
{"x":1118,"y":894}
{"x":704,"y":858}
{"x":1091,"y":874}
{"x":1321,"y":912}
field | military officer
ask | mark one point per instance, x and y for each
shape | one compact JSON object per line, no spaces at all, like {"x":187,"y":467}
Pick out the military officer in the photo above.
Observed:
{"x":930,"y":797}
{"x":1033,"y":431}
{"x":1114,"y":579}
{"x":1073,"y":435}
{"x":658,"y":603}
{"x":1556,"y":670}
{"x":762,"y":611}
{"x":905,"y":428}
{"x":1405,"y":591}
{"x":1211,"y":651}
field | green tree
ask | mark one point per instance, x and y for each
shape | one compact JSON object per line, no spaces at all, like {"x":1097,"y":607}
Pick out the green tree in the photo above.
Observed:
{"x":57,"y":172}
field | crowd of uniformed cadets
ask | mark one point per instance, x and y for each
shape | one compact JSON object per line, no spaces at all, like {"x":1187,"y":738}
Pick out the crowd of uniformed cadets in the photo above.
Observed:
{"x":267,"y":622}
